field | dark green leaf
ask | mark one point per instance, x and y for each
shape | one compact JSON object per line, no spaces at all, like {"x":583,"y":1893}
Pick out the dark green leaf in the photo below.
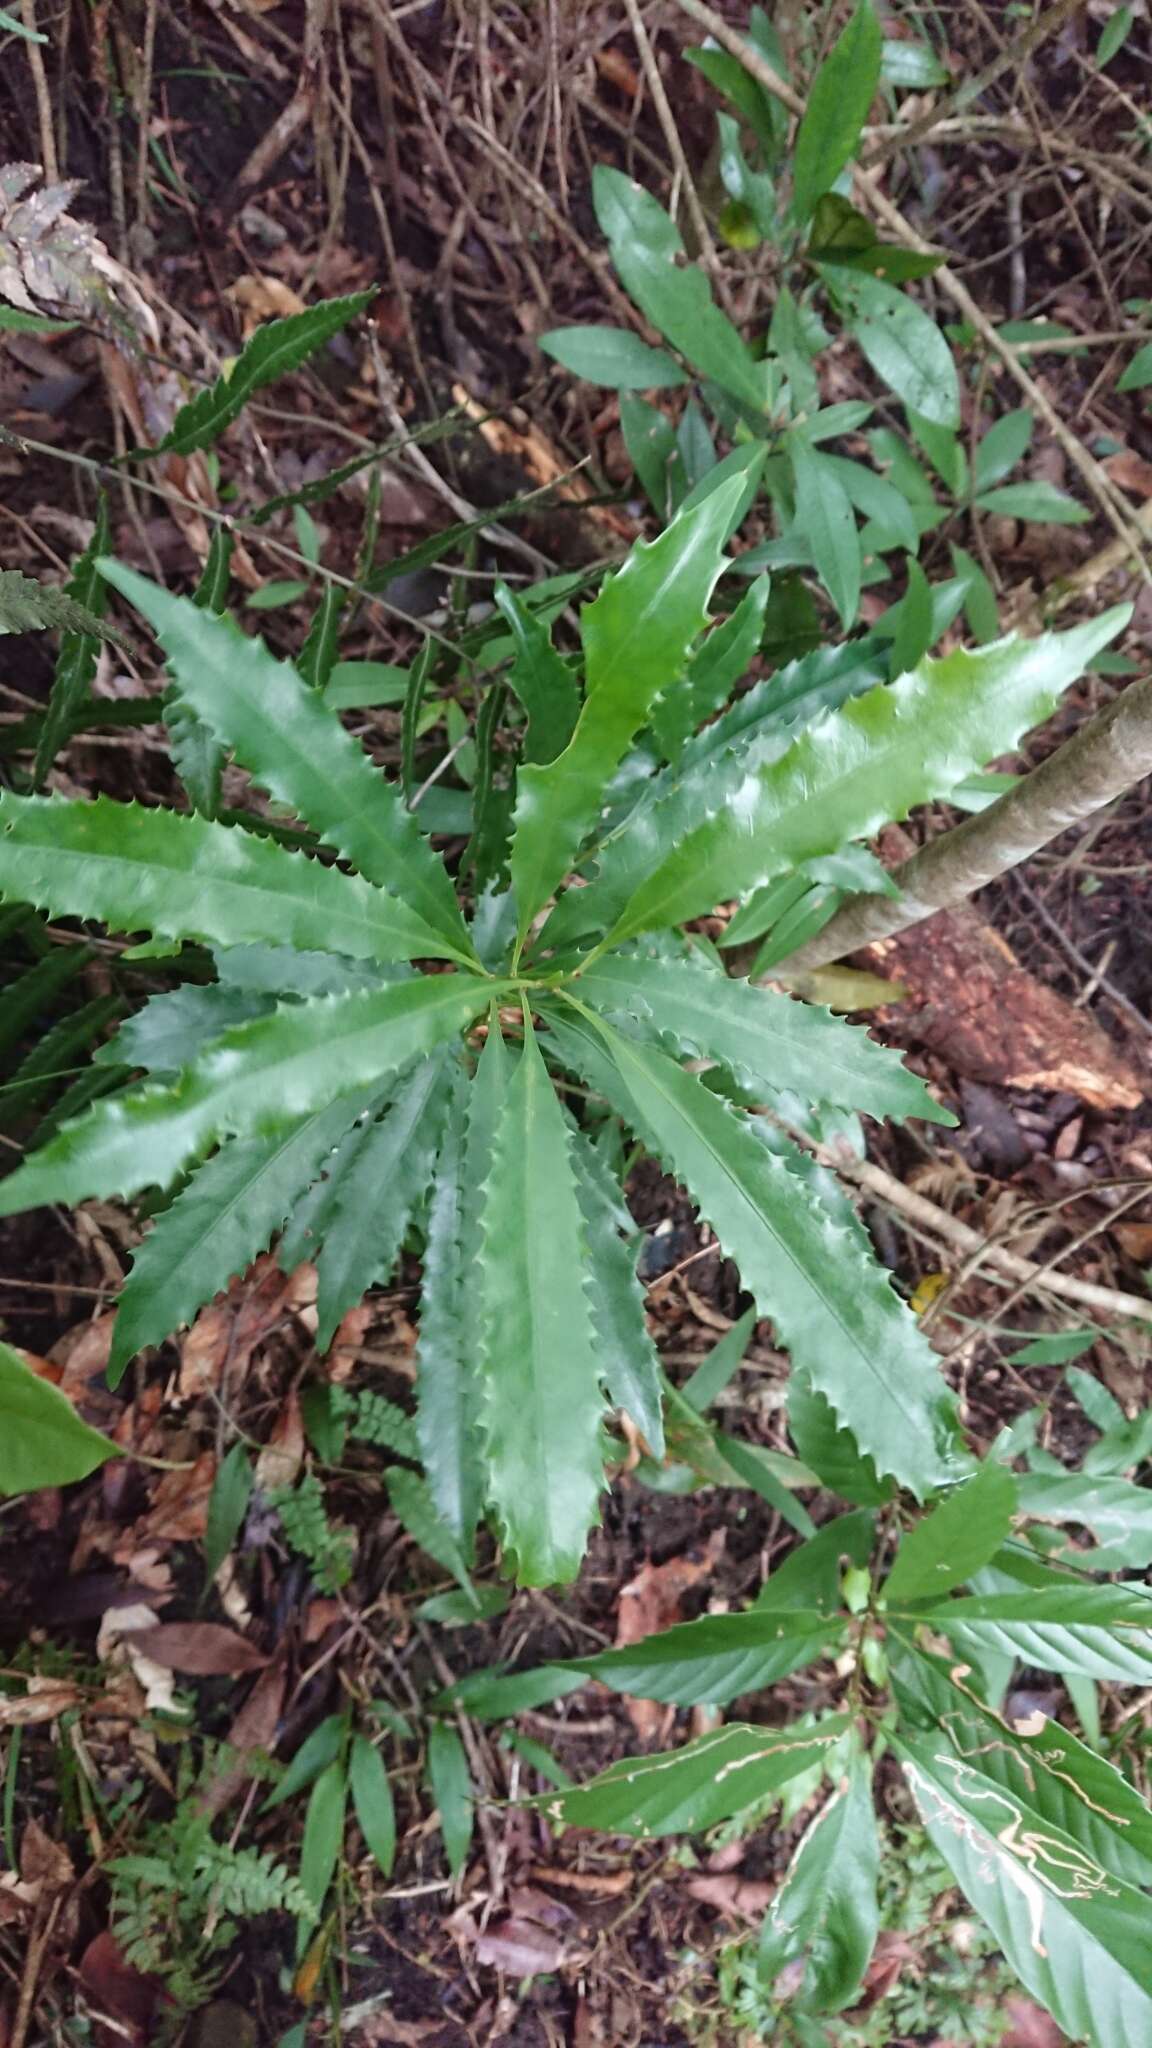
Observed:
{"x":824,"y":1918}
{"x":30,"y":607}
{"x":695,"y":1787}
{"x":1139,"y":370}
{"x":412,"y":1501}
{"x":169,"y":1031}
{"x":914,"y":629}
{"x":629,"y":1359}
{"x":372,"y":1801}
{"x":196,"y":752}
{"x":316,"y":1752}
{"x":824,"y":511}
{"x":541,"y":680}
{"x":275,"y":349}
{"x":877,"y":500}
{"x":361,"y":685}
{"x":810,"y":1574}
{"x":1036,"y":500}
{"x":713,"y":671}
{"x":650,"y":439}
{"x":904,"y":346}
{"x":44,"y":1441}
{"x":720,"y":1366}
{"x":323,"y":1837}
{"x":612,"y":356}
{"x":1004,"y":445}
{"x":1114,"y":34}
{"x":717,"y":1658}
{"x":831,"y":1452}
{"x":841,"y":94}
{"x":76,"y":660}
{"x":318,"y":654}
{"x":227,"y":1507}
{"x":959,"y":1535}
{"x":451,"y":1784}
{"x":445,"y":1369}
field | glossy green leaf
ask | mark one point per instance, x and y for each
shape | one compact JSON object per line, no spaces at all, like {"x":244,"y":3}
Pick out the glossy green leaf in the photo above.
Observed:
{"x":613,"y":356}
{"x":539,"y":1363}
{"x":637,"y":635}
{"x":451,"y":1783}
{"x":295,"y":746}
{"x":1139,"y":370}
{"x":228,"y":1213}
{"x":981,"y":607}
{"x":372,"y":1801}
{"x":446,"y":1384}
{"x":44,"y":1442}
{"x":493,"y":1695}
{"x":361,"y":685}
{"x":1058,"y":1623}
{"x":877,"y":500}
{"x":378,"y":1196}
{"x":832,"y":1452}
{"x":824,"y":511}
{"x":227,"y":1507}
{"x":275,"y":349}
{"x":904,"y":346}
{"x":78,"y":653}
{"x":323,"y":1838}
{"x":832,"y":1306}
{"x":715,"y":1659}
{"x":769,"y":1041}
{"x":259,"y":1077}
{"x":412,"y":1502}
{"x":1004,"y":445}
{"x":629,"y":1360}
{"x":810,"y":1575}
{"x":824,"y":1918}
{"x":855,"y":769}
{"x":1117,"y":1512}
{"x":169,"y":1031}
{"x":693,"y":1788}
{"x":959,"y":1535}
{"x":541,"y":680}
{"x":645,"y":245}
{"x":713,"y":671}
{"x":1077,"y":1936}
{"x":838,"y":102}
{"x":914,"y":629}
{"x":184,"y":877}
{"x":1036,"y":500}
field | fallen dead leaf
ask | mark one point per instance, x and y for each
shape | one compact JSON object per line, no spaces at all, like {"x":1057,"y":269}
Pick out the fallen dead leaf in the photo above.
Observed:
{"x":651,"y":1602}
{"x":179,"y":1510}
{"x":264,"y":298}
{"x":1029,"y":2026}
{"x":202,"y":1649}
{"x":118,"y":1994}
{"x":606,"y":1883}
{"x":744,"y":1897}
{"x":281,"y":1458}
{"x":521,"y":1948}
{"x":44,"y":1705}
{"x":115,"y":1645}
{"x":43,"y":1862}
{"x":1130,"y":471}
{"x":255,"y":1728}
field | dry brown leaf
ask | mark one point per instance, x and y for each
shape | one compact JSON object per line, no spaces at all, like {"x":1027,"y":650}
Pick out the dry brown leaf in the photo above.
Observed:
{"x":1130,"y":471}
{"x":651,"y":1602}
{"x":202,"y":1649}
{"x":281,"y":1458}
{"x":43,"y":1862}
{"x":264,"y":298}
{"x":179,"y":1510}
{"x":520,"y":1948}
{"x":118,"y":1994}
{"x":117,"y":1643}
{"x":745,"y":1898}
{"x":36,"y":1706}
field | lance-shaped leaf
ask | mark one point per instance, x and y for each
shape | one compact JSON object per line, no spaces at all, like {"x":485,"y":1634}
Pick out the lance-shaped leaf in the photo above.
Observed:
{"x":45,"y":1443}
{"x":854,"y":770}
{"x":293,"y":743}
{"x":637,"y":635}
{"x":197,"y":754}
{"x":182,"y":877}
{"x":767,"y":1040}
{"x":169,"y":1031}
{"x":76,"y":661}
{"x":825,"y":1915}
{"x":695,"y":1787}
{"x":714,"y":670}
{"x":274,"y":350}
{"x":824,"y":513}
{"x":1060,"y":1622}
{"x":1059,"y":1778}
{"x":228,"y":1212}
{"x":717,"y":1658}
{"x":257,"y":1078}
{"x":832,"y":1306}
{"x":539,"y":1362}
{"x":542,"y":681}
{"x":966,"y":1529}
{"x":1076,"y":1935}
{"x":631,"y":1363}
{"x":445,"y":1369}
{"x":378,"y":1196}
{"x":837,"y":109}
{"x":1117,"y":1511}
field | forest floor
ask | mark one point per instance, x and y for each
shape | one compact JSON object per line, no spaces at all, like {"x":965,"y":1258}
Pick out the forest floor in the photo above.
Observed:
{"x":442,"y":153}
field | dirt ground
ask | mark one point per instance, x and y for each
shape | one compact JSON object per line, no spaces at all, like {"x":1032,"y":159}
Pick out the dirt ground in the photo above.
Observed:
{"x":237,"y":160}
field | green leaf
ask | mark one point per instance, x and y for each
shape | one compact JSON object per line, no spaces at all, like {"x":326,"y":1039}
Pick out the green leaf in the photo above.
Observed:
{"x":764,"y":115}
{"x":272,"y":595}
{"x":169,"y":1031}
{"x":912,"y":66}
{"x":1117,"y":1512}
{"x":693,"y":1788}
{"x":412,"y":1501}
{"x":629,"y":1359}
{"x":832,"y":1306}
{"x":714,"y":670}
{"x":76,"y":660}
{"x":877,"y":500}
{"x":372,"y":1802}
{"x":717,"y":1658}
{"x":197,"y":754}
{"x":612,"y":356}
{"x":13,"y":320}
{"x":904,"y":346}
{"x":184,"y":877}
{"x":361,"y":685}
{"x":451,"y":1784}
{"x":1057,"y":1622}
{"x":981,"y":608}
{"x":445,"y":1369}
{"x":959,"y":1535}
{"x":636,"y":636}
{"x":825,"y":1915}
{"x":539,"y":1364}
{"x":259,"y":1077}
{"x":323,"y":1838}
{"x":767,"y":1040}
{"x":44,"y":1441}
{"x":1004,"y":445}
{"x":229,"y":1212}
{"x":1114,"y":34}
{"x":227,"y":1507}
{"x":824,"y":511}
{"x":915,"y":627}
{"x":1135,"y":377}
{"x":316,"y":1752}
{"x":1076,"y":1936}
{"x":493,"y":1695}
{"x":30,"y":607}
{"x":838,"y":102}
{"x":720,"y":1365}
{"x":541,"y":680}
{"x":855,"y":769}
{"x":378,"y":1196}
{"x":645,"y":244}
{"x":294,"y":745}
{"x":318,"y":654}
{"x":831,"y":1452}
{"x":1036,"y":500}
{"x":650,"y":440}
{"x":275,"y":349}
{"x":810,"y":1575}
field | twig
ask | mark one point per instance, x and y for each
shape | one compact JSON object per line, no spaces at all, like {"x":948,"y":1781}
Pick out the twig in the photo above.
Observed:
{"x":667,"y":122}
{"x":1099,"y":483}
{"x":40,"y":88}
{"x":940,"y":1224}
{"x":1101,"y":761}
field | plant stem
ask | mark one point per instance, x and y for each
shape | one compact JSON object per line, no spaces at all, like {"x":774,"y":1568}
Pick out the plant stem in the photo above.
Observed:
{"x":1100,"y":762}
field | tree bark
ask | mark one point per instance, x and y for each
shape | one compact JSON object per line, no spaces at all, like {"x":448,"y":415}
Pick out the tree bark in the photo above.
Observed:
{"x":1101,"y":761}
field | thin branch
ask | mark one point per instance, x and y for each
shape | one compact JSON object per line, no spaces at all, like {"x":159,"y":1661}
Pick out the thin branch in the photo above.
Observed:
{"x":667,"y":122}
{"x":1110,"y":753}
